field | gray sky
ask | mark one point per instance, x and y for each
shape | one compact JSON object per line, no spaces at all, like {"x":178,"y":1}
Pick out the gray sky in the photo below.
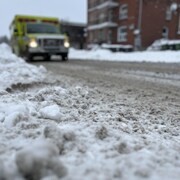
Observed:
{"x":72,"y":10}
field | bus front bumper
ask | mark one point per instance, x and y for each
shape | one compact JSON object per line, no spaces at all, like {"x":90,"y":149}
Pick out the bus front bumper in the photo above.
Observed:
{"x":49,"y":50}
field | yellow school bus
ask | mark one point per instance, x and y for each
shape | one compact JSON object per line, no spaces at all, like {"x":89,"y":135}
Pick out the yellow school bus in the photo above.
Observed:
{"x":38,"y":36}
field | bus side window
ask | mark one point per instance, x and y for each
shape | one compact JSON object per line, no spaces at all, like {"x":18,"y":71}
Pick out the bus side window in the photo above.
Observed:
{"x":15,"y":32}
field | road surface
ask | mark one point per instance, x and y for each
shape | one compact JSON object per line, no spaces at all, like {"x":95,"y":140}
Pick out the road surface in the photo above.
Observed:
{"x":152,"y":88}
{"x":158,"y":77}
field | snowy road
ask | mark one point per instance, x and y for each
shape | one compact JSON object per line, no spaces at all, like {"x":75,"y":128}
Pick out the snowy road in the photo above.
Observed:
{"x":116,"y":74}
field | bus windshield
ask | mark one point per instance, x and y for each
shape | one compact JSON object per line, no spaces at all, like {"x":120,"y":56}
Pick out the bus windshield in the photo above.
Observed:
{"x":42,"y":28}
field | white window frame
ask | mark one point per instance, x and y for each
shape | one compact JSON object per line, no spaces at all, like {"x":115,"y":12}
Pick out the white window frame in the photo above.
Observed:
{"x":123,"y":11}
{"x":122,"y":34}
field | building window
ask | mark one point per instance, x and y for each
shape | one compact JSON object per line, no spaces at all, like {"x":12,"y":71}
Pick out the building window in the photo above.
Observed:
{"x":168,"y":14}
{"x":101,"y":18}
{"x":122,"y":34}
{"x":110,"y":16}
{"x":123,"y":11}
{"x":91,"y":36}
{"x":165,"y":32}
{"x":101,"y":36}
{"x":110,"y":36}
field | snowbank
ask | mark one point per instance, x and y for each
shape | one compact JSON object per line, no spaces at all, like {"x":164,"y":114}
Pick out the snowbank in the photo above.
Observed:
{"x":144,"y":56}
{"x":15,"y":71}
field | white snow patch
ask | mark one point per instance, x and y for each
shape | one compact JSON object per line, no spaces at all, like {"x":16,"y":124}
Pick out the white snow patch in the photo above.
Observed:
{"x":14,"y":70}
{"x":51,"y":112}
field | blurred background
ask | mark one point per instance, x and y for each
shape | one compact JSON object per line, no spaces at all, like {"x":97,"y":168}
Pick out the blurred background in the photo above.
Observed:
{"x":72,"y":14}
{"x":117,"y":25}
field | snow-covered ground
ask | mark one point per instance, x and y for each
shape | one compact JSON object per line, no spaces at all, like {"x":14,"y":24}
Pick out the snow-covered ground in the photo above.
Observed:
{"x":144,"y":56}
{"x":51,"y":132}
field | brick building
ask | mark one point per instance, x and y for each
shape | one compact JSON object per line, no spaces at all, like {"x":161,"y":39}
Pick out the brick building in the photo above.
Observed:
{"x":132,"y":22}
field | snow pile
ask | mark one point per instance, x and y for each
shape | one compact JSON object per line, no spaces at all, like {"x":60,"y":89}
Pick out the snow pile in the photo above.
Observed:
{"x":14,"y":114}
{"x":6,"y":53}
{"x":55,"y":132}
{"x":14,"y":71}
{"x":36,"y":161}
{"x":64,"y":131}
{"x":144,"y":56}
{"x":40,"y":160}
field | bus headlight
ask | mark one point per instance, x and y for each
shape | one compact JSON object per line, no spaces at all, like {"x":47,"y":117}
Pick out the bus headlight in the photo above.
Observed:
{"x":33,"y":43}
{"x":66,"y":44}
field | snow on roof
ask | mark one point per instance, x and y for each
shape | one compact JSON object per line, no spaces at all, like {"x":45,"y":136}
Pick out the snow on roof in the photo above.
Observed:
{"x":65,"y":22}
{"x":103,"y":5}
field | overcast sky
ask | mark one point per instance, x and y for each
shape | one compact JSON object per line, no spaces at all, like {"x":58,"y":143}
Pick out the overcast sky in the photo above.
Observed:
{"x":71,"y":10}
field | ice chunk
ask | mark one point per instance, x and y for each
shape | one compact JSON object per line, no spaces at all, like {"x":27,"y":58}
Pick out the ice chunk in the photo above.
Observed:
{"x":51,"y":112}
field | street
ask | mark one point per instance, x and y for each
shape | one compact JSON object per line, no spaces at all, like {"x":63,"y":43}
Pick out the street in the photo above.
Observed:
{"x":119,"y":76}
{"x":150,"y":89}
